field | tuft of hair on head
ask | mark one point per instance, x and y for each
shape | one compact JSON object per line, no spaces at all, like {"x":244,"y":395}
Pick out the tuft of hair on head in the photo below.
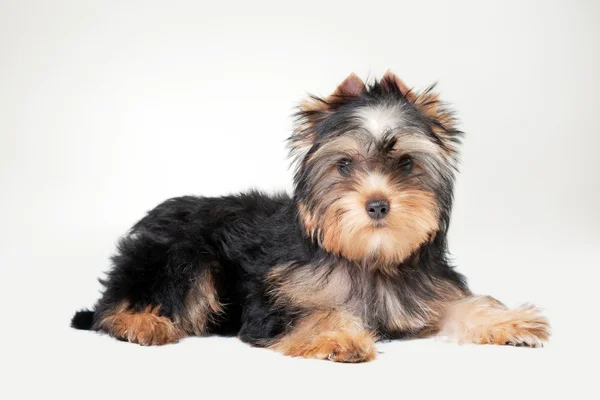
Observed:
{"x":314,"y":110}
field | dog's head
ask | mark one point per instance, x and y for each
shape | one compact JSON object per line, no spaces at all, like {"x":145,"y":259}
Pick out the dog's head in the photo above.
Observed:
{"x":375,"y":168}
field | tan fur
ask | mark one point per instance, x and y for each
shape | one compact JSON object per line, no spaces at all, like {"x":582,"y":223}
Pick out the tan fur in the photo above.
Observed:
{"x":484,"y":320}
{"x":308,"y":221}
{"x":146,"y":328}
{"x":334,"y":335}
{"x":201,"y":304}
{"x":310,"y":288}
{"x":349,"y":231}
{"x":430,"y":105}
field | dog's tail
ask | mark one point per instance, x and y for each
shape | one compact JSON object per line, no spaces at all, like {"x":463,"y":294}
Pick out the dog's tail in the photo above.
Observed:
{"x":83,"y":320}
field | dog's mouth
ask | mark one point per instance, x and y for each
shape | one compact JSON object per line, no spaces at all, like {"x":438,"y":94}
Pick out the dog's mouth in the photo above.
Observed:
{"x":380,"y":224}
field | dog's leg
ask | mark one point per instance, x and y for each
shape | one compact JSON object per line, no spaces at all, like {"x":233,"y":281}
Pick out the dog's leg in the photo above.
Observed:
{"x":145,"y":327}
{"x":334,"y":335}
{"x":149,"y":325}
{"x":484,"y":320}
{"x":164,"y":284}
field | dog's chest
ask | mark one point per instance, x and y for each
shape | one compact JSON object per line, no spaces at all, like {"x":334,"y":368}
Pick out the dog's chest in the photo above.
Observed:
{"x":382,"y":303}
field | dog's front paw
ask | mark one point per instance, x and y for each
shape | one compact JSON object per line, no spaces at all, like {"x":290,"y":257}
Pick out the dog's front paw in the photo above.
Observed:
{"x":522,"y":326}
{"x":333,"y":335}
{"x":483,"y":320}
{"x":345,"y":347}
{"x":338,"y":346}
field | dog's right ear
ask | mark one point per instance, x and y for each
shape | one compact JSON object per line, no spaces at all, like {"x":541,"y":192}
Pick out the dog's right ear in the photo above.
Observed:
{"x":441,"y":119}
{"x":315,"y":109}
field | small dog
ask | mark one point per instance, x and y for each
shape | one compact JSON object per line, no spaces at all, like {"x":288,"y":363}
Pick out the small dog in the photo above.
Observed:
{"x":357,"y":254}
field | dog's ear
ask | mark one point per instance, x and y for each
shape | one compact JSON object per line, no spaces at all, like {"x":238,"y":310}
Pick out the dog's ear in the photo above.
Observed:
{"x":441,"y":118}
{"x":315,"y":109}
{"x":352,"y":86}
{"x":390,"y":82}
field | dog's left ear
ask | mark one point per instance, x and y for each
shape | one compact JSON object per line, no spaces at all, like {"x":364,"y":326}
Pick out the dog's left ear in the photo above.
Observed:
{"x":315,"y":109}
{"x":390,"y":82}
{"x":441,"y":118}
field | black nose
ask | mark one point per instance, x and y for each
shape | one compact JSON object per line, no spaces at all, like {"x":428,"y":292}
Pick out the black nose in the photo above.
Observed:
{"x":377,"y":208}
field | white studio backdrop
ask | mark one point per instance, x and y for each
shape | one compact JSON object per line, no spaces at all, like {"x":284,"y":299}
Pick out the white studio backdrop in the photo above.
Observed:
{"x":108,"y":108}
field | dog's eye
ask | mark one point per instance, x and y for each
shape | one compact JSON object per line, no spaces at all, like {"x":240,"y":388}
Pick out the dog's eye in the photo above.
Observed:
{"x":405,"y":163}
{"x":344,"y":166}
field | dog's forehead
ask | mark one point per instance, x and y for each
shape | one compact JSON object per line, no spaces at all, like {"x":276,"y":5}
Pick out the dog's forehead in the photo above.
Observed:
{"x":371,"y":129}
{"x":364,"y":143}
{"x":380,"y":120}
{"x":392,"y":126}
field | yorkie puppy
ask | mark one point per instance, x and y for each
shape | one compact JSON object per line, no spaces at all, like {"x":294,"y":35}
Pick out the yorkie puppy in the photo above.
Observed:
{"x":357,"y":254}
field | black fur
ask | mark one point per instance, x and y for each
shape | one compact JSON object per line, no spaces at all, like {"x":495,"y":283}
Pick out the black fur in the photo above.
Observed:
{"x":83,"y":320}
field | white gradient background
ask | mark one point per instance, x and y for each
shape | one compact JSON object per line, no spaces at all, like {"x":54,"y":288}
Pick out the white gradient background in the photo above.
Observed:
{"x":108,"y":108}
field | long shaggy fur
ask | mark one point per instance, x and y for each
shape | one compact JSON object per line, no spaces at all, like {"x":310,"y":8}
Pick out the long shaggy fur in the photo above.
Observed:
{"x":316,"y":274}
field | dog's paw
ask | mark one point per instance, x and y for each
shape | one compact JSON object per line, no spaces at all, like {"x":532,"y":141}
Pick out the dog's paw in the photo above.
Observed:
{"x":526,"y":326}
{"x":146,"y":328}
{"x":483,"y":320}
{"x":348,"y":348}
{"x":337,"y":346}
